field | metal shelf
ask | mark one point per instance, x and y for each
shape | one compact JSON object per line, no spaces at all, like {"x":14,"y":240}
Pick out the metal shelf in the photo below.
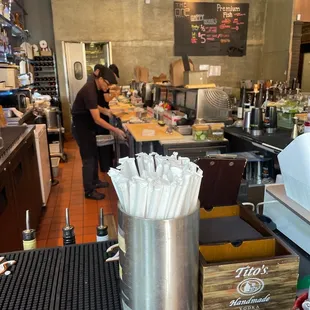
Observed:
{"x":16,"y":31}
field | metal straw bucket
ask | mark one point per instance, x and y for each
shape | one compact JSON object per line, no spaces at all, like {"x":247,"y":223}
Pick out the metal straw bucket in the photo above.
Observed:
{"x":159,"y":262}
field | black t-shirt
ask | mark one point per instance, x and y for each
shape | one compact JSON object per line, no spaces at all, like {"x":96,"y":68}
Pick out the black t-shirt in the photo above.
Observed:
{"x":86,"y":99}
{"x":101,"y":101}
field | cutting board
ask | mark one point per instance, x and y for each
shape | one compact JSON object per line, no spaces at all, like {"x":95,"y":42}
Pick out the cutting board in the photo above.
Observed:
{"x":160,"y":133}
{"x":302,"y":116}
{"x":125,"y":117}
{"x":120,"y":108}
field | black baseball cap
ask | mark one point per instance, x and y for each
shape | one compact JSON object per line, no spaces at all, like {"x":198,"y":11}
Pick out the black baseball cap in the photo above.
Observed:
{"x":97,"y":67}
{"x":114,"y":69}
{"x":107,"y":75}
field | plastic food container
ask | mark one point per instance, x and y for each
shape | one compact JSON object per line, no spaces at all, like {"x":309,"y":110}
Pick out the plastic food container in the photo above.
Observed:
{"x":201,"y":132}
{"x":208,"y":131}
{"x":216,"y":132}
{"x":55,"y":166}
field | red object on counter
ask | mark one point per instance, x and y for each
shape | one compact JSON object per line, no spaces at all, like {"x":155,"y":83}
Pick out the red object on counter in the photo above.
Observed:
{"x":300,"y":301}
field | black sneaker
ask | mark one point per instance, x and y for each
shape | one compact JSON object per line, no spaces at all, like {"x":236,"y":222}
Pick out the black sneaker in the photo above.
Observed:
{"x":101,"y":184}
{"x":94,"y":195}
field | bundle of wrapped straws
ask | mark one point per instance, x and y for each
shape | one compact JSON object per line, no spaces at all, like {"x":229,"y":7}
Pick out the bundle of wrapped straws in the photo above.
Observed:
{"x":152,"y":186}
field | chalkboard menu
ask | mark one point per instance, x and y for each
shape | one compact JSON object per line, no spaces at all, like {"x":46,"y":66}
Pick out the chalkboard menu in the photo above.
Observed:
{"x":210,"y":29}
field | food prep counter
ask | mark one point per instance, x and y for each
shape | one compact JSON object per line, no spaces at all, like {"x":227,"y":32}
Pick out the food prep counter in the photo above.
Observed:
{"x":165,"y":144}
{"x":19,"y":185}
{"x":188,"y":147}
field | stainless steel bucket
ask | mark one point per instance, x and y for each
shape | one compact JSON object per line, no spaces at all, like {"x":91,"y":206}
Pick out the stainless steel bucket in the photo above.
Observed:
{"x":51,"y":117}
{"x":159,"y":262}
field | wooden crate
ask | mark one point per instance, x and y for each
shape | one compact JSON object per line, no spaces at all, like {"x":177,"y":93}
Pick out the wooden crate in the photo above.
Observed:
{"x":244,"y":213}
{"x":258,"y":274}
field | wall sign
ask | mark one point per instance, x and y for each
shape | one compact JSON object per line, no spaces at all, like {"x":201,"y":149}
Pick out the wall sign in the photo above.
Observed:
{"x":210,"y":29}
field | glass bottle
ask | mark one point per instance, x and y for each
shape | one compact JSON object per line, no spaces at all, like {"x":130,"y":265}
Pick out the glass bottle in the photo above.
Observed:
{"x":240,"y":111}
{"x":307,"y":124}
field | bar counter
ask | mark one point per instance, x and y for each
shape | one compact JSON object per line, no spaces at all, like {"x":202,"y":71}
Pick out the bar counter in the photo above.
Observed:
{"x":273,"y":143}
{"x":19,"y":185}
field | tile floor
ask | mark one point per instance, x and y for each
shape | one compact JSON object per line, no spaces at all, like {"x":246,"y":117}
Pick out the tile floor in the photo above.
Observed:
{"x":69,"y":194}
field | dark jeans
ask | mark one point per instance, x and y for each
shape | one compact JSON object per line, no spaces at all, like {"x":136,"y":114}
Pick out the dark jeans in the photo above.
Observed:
{"x":86,"y":140}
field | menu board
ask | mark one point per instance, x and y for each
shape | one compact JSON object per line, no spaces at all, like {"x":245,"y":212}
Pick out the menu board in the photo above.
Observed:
{"x":210,"y":29}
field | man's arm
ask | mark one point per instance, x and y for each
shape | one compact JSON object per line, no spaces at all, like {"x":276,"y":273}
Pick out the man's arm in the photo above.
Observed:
{"x":99,"y":121}
{"x":105,"y":111}
{"x":109,"y":96}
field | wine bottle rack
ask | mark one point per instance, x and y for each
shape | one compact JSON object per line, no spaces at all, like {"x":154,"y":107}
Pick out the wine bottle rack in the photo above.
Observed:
{"x":45,"y":78}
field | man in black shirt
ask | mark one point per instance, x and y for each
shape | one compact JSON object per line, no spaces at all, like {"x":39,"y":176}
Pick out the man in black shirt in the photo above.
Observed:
{"x":85,"y":116}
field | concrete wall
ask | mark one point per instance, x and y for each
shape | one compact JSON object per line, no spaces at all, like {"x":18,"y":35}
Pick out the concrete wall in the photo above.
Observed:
{"x":143,"y":34}
{"x":277,"y":45}
{"x":39,"y":21}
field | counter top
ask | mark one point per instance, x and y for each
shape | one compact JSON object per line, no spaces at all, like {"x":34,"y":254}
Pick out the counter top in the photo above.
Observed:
{"x":13,"y":136}
{"x":276,"y":142}
{"x":15,"y":121}
{"x":120,"y":108}
{"x":160,"y":133}
{"x":277,"y":191}
{"x":189,"y":139}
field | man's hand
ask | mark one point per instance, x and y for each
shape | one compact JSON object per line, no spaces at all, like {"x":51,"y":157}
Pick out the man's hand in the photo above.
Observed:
{"x":121,"y":134}
{"x":108,"y":113}
{"x":114,"y":87}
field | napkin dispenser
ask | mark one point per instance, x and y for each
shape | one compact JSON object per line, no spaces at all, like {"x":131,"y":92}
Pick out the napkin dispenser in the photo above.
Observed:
{"x":294,"y":163}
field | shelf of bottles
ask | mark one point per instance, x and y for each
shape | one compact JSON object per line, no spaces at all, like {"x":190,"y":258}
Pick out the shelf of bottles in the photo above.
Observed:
{"x":45,"y":80}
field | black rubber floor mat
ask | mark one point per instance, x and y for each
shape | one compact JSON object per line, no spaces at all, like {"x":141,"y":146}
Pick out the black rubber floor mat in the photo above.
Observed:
{"x":10,"y":135}
{"x":95,"y":285}
{"x":31,"y":284}
{"x":73,"y":277}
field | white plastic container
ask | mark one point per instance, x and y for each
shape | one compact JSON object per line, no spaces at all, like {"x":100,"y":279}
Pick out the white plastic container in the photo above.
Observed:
{"x":55,"y":166}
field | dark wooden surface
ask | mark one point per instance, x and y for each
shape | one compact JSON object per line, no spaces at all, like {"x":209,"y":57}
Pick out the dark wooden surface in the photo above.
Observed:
{"x":19,"y":191}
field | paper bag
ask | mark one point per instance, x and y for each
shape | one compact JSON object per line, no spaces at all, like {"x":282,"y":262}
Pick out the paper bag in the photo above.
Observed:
{"x":142,"y":74}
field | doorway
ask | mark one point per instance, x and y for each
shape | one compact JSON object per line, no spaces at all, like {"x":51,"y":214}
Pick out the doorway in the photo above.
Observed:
{"x":80,"y":60}
{"x":97,"y":53}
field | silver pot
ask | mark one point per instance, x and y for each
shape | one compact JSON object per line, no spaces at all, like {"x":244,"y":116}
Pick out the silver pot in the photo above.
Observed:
{"x":51,"y":117}
{"x":159,"y":262}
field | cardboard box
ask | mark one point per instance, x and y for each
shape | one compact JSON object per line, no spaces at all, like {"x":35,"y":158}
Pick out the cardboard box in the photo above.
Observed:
{"x":195,"y":77}
{"x":171,"y":117}
{"x":177,"y":72}
{"x":46,"y":53}
{"x":141,"y":74}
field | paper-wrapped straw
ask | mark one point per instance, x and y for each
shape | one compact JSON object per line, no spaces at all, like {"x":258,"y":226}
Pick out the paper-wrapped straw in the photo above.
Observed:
{"x":164,"y":206}
{"x":140,"y":196}
{"x":157,"y":187}
{"x":181,"y":199}
{"x":156,"y":200}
